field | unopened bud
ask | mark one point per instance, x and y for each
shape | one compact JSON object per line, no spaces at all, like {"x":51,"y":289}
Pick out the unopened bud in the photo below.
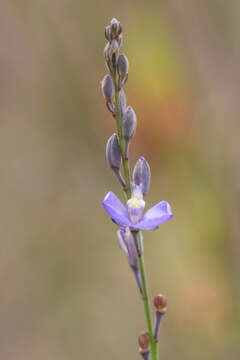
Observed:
{"x":160,"y":302}
{"x":113,"y":152}
{"x":106,"y":51}
{"x":126,"y":243}
{"x":142,"y":175}
{"x":122,"y":66}
{"x":129,"y":123}
{"x":131,"y":248}
{"x":122,"y":101}
{"x":113,"y":48}
{"x":108,"y":88}
{"x":108,"y":32}
{"x":144,"y":340}
{"x":116,"y":27}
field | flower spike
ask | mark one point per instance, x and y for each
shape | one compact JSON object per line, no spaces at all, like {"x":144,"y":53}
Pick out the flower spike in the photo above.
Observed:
{"x":130,"y":217}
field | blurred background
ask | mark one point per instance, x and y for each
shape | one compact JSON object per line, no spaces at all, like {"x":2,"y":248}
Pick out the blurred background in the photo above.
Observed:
{"x":66,"y":289}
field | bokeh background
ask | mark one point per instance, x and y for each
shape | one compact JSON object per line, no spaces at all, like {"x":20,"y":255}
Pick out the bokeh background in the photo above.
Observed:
{"x":66,"y":289}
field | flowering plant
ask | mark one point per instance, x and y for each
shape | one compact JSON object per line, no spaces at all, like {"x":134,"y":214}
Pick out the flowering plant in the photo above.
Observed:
{"x":129,"y":218}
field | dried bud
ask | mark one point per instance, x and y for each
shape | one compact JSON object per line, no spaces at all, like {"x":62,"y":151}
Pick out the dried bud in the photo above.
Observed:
{"x":142,"y":175}
{"x":108,"y":88}
{"x":129,"y":123}
{"x":160,"y":302}
{"x":144,"y":340}
{"x":122,"y":66}
{"x":122,"y":101}
{"x":113,"y":152}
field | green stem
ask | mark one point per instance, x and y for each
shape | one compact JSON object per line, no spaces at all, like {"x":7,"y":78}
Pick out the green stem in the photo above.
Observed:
{"x":127,"y":190}
{"x":145,"y":297}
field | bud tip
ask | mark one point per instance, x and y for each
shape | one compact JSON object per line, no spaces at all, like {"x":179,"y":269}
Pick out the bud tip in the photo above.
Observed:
{"x":160,"y":302}
{"x":144,"y":340}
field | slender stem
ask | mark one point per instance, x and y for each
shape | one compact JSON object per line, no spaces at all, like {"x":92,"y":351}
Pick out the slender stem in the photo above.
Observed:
{"x":145,"y":297}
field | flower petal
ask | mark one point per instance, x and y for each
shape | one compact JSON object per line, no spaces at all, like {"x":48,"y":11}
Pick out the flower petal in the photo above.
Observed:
{"x":116,"y":210}
{"x":155,"y":216}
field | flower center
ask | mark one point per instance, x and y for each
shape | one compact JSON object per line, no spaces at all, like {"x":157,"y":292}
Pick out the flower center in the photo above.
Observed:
{"x":135,"y":203}
{"x":135,"y":207}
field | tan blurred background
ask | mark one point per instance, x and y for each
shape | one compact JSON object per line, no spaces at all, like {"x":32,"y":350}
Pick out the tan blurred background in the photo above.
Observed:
{"x":66,"y":290}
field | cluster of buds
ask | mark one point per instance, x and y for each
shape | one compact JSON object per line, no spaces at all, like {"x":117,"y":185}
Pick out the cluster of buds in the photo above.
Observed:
{"x":112,"y":89}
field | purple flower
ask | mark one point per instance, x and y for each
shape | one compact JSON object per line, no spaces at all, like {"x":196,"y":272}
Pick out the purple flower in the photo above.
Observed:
{"x":131,"y":214}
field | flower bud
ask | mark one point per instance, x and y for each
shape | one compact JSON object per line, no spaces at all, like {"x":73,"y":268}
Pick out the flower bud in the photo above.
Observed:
{"x":113,"y":152}
{"x":144,"y":340}
{"x":126,"y":243}
{"x":113,"y":48}
{"x":121,"y":242}
{"x":106,"y":51}
{"x":108,"y":88}
{"x":122,"y":66}
{"x":122,"y":101}
{"x":160,"y":302}
{"x":129,"y":123}
{"x":108,"y":32}
{"x":116,"y":27}
{"x":142,"y":175}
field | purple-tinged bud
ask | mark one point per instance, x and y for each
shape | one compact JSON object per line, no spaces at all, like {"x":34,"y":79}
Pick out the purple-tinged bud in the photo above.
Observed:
{"x":122,"y":66}
{"x":120,"y":41}
{"x":145,"y":354}
{"x":160,"y":303}
{"x":121,"y":242}
{"x":106,"y":51}
{"x":128,"y":241}
{"x":108,"y":32}
{"x":142,"y":175}
{"x":113,"y":48}
{"x":116,"y":27}
{"x":144,"y":340}
{"x":108,"y":88}
{"x":113,"y":152}
{"x":114,"y":158}
{"x":129,"y":124}
{"x":127,"y":244}
{"x":122,"y":101}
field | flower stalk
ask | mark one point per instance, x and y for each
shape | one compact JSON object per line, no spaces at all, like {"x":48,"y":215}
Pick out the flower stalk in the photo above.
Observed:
{"x":129,"y":218}
{"x":127,"y":189}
